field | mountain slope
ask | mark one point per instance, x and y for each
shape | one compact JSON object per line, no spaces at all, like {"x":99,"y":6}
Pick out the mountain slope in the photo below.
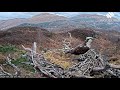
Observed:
{"x":105,"y":42}
{"x":23,"y":35}
{"x":44,"y":17}
{"x":5,"y":24}
{"x":81,"y":21}
{"x":59,"y":23}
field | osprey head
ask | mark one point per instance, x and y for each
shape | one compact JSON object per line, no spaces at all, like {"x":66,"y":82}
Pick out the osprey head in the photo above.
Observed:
{"x":88,"y":41}
{"x":88,"y":38}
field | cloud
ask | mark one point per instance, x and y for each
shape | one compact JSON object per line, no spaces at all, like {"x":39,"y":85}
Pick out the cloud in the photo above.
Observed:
{"x":67,"y":14}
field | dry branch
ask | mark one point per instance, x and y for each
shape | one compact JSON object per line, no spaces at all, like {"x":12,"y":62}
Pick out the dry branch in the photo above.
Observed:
{"x":17,"y":70}
{"x":114,"y":66}
{"x":15,"y":67}
{"x":4,"y":72}
{"x":67,"y":44}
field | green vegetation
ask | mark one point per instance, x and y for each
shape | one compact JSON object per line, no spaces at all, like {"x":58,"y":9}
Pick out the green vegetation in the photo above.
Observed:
{"x":18,"y":62}
{"x":28,"y":67}
{"x":12,"y":49}
{"x":21,"y":52}
{"x":8,"y":49}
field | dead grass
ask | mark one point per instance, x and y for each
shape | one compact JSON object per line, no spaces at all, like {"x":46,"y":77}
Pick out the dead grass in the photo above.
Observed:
{"x":2,"y":58}
{"x":115,"y":60}
{"x":9,"y":69}
{"x":59,"y":58}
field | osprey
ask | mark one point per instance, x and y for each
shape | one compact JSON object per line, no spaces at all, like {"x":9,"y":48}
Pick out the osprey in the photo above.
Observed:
{"x":82,"y":49}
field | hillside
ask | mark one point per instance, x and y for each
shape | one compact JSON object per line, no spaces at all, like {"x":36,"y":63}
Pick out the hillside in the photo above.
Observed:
{"x":105,"y":43}
{"x":45,"y":17}
{"x":6,"y":24}
{"x":23,"y":35}
{"x":58,"y":23}
{"x":40,"y":18}
{"x":81,"y":21}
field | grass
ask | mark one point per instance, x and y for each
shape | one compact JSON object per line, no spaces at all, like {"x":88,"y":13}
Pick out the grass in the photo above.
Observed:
{"x":28,"y":67}
{"x":56,"y":57}
{"x":59,"y":58}
{"x":12,"y":49}
{"x":21,"y":52}
{"x":2,"y":58}
{"x":18,"y":62}
{"x":8,"y":49}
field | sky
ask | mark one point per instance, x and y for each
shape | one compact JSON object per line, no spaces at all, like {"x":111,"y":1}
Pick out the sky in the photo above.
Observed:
{"x":11,"y":15}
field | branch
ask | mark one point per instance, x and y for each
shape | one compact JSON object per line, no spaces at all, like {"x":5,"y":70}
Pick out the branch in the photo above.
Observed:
{"x":33,"y":53}
{"x":111,"y":72}
{"x":15,"y":67}
{"x":34,"y":47}
{"x":26,"y":49}
{"x":33,"y":50}
{"x":5,"y":71}
{"x":98,"y":69}
{"x":84,"y":76}
{"x":28,"y":63}
{"x":67,"y":44}
{"x":114,"y":66}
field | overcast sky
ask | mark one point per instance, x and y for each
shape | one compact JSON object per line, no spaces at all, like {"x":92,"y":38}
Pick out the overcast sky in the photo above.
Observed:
{"x":11,"y":15}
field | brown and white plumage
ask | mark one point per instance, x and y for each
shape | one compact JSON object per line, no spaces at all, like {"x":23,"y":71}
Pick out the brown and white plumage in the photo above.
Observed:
{"x":82,"y":49}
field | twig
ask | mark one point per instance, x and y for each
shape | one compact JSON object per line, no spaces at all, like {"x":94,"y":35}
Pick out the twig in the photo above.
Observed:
{"x":6,"y":73}
{"x":114,"y":66}
{"x":15,"y":67}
